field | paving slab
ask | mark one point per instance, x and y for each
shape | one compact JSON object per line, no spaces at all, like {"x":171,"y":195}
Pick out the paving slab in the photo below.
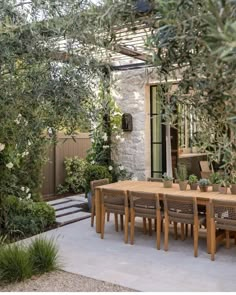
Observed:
{"x":141,"y":266}
{"x":68,"y":211}
{"x":79,"y":198}
{"x":72,"y":217}
{"x":65,"y":205}
{"x":58,"y":201}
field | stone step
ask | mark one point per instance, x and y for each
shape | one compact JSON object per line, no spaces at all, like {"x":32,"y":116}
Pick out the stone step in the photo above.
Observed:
{"x":67,"y":211}
{"x":63,"y":220}
{"x":58,"y":201}
{"x":79,"y":198}
{"x":66,"y":205}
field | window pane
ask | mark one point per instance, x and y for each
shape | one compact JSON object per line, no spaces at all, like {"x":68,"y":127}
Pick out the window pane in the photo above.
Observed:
{"x":157,"y":157}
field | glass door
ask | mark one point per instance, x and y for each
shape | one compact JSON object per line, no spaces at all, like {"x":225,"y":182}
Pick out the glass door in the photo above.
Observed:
{"x":158,"y":154}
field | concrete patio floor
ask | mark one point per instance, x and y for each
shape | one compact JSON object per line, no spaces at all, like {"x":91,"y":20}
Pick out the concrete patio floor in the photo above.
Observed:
{"x":141,"y":266}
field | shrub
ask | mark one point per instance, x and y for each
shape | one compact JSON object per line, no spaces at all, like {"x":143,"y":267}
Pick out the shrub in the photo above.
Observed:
{"x":14,"y":263}
{"x":74,"y":181}
{"x":192,"y":179}
{"x":95,"y":172}
{"x":43,"y":255}
{"x":204,"y":182}
{"x":181,"y":172}
{"x":27,"y":217}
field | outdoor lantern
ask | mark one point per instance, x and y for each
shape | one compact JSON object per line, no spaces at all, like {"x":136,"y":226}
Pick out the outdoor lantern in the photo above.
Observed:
{"x":127,"y":122}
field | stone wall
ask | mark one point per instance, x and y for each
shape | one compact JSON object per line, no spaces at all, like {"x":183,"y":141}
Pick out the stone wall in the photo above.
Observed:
{"x":131,"y":95}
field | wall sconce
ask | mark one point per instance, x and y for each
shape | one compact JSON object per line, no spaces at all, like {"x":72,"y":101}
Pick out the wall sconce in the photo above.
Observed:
{"x":127,"y":122}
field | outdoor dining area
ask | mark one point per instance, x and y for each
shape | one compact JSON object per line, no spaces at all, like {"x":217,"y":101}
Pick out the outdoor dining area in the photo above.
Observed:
{"x":164,"y":211}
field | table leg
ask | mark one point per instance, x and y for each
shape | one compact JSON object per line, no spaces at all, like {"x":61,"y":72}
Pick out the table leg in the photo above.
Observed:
{"x":98,"y":210}
{"x":208,"y":223}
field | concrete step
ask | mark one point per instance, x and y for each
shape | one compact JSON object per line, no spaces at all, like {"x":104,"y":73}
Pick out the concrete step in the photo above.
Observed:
{"x":58,"y":201}
{"x":67,"y":211}
{"x":63,"y":220}
{"x":66,"y":205}
{"x":79,"y":198}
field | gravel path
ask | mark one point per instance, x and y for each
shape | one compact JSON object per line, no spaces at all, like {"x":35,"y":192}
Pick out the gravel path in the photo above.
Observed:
{"x":61,"y":281}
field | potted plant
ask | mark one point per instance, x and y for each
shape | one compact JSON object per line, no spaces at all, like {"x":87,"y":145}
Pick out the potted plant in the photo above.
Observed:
{"x":233,"y":184}
{"x":203,"y":184}
{"x":223,"y":186}
{"x":193,"y":182}
{"x":215,"y":181}
{"x":182,"y":176}
{"x":167,"y":181}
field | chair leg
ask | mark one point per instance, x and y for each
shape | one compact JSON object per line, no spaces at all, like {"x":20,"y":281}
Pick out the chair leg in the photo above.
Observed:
{"x":213,"y":239}
{"x":126,"y":224}
{"x":150,"y":226}
{"x":235,"y":239}
{"x":182,"y":232}
{"x":103,"y":213}
{"x":116,"y":222}
{"x":175,"y":231}
{"x":195,"y":238}
{"x":155,"y":224}
{"x":227,"y":239}
{"x":162,"y":225}
{"x":108,"y":216}
{"x":93,"y":211}
{"x":166,"y":233}
{"x":121,"y":222}
{"x":191,"y":230}
{"x":144,"y":226}
{"x":186,"y":230}
{"x":132,"y":218}
{"x":158,"y":231}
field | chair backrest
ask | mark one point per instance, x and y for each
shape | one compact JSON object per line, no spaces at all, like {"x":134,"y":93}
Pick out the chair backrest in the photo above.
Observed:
{"x":204,"y":166}
{"x":180,"y":209}
{"x":144,"y":204}
{"x":224,"y":214}
{"x":114,"y":200}
{"x":151,"y":179}
{"x":96,"y":183}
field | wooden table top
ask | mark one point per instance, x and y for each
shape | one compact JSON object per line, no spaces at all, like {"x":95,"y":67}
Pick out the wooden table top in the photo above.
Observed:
{"x":157,"y":187}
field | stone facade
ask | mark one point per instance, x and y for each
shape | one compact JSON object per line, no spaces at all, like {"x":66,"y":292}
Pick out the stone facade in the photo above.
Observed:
{"x":131,"y":95}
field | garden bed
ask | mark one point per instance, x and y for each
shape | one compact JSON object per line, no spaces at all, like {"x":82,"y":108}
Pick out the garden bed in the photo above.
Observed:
{"x":61,"y":281}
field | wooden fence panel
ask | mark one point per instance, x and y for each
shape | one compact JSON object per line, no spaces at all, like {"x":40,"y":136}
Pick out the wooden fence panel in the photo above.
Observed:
{"x":54,"y":171}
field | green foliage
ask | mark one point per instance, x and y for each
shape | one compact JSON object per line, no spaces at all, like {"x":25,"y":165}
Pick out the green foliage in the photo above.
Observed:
{"x":74,"y":180}
{"x":167,"y":177}
{"x":14,"y":263}
{"x":215,"y":178}
{"x":27,"y":218}
{"x":204,"y":182}
{"x":95,"y":172}
{"x":192,"y":179}
{"x":18,"y":262}
{"x":181,"y":172}
{"x":43,"y":255}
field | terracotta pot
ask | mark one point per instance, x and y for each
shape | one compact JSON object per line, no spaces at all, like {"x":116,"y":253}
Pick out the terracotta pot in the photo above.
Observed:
{"x":193,"y":186}
{"x":183,"y":185}
{"x":215,"y":187}
{"x":203,"y":189}
{"x":233,"y":189}
{"x":167,"y":183}
{"x":223,"y":189}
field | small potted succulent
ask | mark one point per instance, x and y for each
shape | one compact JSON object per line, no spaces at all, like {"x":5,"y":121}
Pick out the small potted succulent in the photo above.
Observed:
{"x":204,"y":184}
{"x":167,"y":181}
{"x":224,"y":184}
{"x":182,"y":176}
{"x":193,"y":182}
{"x":215,"y":179}
{"x":233,"y":184}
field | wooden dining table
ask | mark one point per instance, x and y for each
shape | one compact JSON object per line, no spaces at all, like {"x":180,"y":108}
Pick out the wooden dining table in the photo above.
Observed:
{"x":203,"y":198}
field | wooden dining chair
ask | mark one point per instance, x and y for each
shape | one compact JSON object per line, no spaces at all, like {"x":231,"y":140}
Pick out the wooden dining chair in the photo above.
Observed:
{"x":145,"y":205}
{"x":182,"y":210}
{"x":223,"y":217}
{"x":93,"y":185}
{"x":115,"y":201}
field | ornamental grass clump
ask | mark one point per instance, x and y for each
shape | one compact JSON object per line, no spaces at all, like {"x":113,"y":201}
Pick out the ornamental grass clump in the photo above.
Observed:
{"x":15,"y":264}
{"x":43,"y":255}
